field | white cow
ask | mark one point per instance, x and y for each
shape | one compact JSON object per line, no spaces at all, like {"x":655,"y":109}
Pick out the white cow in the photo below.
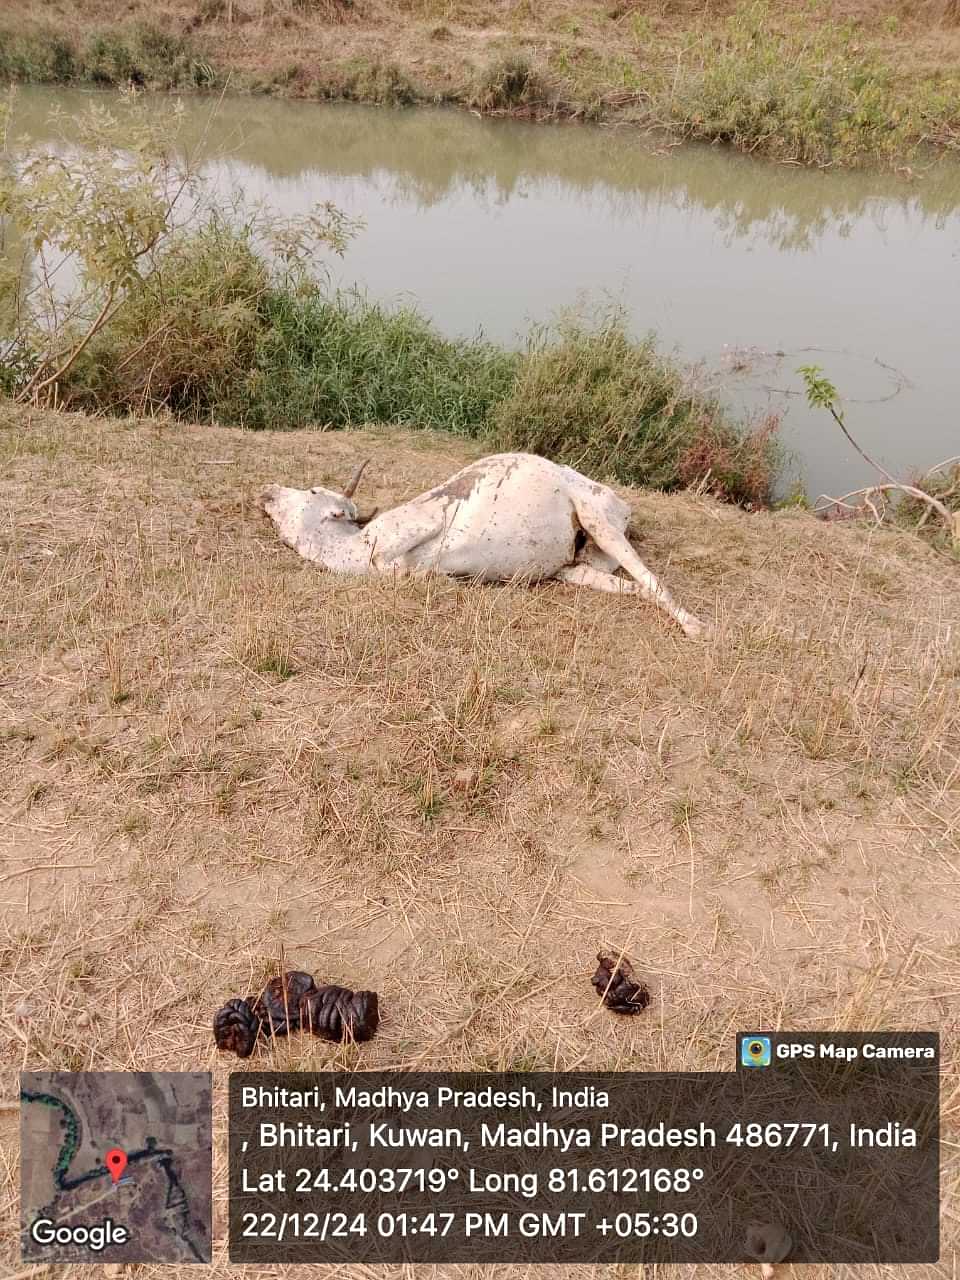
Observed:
{"x":512,"y":515}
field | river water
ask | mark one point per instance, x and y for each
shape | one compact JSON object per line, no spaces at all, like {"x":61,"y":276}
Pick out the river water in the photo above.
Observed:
{"x":493,"y":225}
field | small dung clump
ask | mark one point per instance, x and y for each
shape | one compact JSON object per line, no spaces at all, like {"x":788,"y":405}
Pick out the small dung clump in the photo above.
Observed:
{"x":235,"y":1029}
{"x":291,"y":1003}
{"x":616,"y":983}
{"x":279,"y":1003}
{"x":337,"y":1013}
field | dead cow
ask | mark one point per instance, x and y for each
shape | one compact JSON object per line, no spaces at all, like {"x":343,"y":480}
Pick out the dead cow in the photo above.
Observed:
{"x":512,"y":515}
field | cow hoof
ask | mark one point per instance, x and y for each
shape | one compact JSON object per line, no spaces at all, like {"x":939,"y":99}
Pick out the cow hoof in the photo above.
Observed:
{"x":694,"y":629}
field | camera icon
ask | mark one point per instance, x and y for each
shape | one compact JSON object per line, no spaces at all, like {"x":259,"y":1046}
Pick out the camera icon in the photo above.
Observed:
{"x":755,"y":1051}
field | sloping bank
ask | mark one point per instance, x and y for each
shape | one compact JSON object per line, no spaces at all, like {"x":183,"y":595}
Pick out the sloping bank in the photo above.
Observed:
{"x":795,"y":85}
{"x":216,"y":337}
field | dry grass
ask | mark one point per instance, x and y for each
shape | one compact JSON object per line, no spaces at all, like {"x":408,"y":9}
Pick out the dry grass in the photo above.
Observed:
{"x":825,"y":82}
{"x":214,"y":755}
{"x":602,"y":51}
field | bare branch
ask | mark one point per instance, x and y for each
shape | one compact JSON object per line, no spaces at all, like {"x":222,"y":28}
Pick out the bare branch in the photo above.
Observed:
{"x":950,"y":518}
{"x":34,"y":388}
{"x":822,"y":393}
{"x":838,"y":419}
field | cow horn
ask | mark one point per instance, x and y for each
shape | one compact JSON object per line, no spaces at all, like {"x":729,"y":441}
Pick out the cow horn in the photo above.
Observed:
{"x":351,"y":488}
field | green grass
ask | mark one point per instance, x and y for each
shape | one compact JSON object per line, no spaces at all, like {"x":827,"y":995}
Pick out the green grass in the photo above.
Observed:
{"x":140,"y":54}
{"x":342,"y":361}
{"x":216,"y":335}
{"x":802,"y":89}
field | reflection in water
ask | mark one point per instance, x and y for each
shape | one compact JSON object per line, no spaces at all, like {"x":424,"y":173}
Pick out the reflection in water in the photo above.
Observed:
{"x":491,"y":224}
{"x":427,"y":156}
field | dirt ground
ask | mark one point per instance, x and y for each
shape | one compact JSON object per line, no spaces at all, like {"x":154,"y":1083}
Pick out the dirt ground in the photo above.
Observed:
{"x":217,"y":760}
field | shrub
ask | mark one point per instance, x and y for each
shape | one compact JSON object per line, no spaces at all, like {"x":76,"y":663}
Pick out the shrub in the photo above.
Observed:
{"x":212,"y":334}
{"x":42,"y":58}
{"x":382,"y":83}
{"x":600,"y":402}
{"x":733,"y":463}
{"x":164,"y":309}
{"x":141,"y":54}
{"x":505,"y":85}
{"x":144,"y":55}
{"x":184,"y":337}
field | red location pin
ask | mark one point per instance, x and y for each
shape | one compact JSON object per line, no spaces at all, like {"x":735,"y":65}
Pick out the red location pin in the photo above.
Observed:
{"x":116,"y":1162}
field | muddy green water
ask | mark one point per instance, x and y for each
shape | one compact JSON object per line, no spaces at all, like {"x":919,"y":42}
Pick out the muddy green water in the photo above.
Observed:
{"x":491,"y":225}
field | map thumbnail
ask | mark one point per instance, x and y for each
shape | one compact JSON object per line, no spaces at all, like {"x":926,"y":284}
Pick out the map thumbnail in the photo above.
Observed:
{"x":150,"y":1201}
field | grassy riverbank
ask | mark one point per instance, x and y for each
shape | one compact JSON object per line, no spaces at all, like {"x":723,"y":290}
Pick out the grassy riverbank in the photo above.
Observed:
{"x":583,"y":394}
{"x":218,"y":334}
{"x":453,"y":794}
{"x":838,"y":82}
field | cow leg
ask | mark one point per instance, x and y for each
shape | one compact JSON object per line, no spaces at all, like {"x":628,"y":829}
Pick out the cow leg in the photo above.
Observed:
{"x":592,"y":555}
{"x":406,"y":546}
{"x":614,"y":543}
{"x":583,"y":575}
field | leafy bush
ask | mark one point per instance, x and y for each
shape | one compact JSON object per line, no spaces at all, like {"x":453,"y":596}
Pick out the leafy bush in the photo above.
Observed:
{"x":162,"y":310}
{"x":184,"y":337}
{"x":595,"y":399}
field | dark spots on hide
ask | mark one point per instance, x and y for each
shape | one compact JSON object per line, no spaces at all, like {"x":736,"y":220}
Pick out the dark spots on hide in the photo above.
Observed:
{"x":460,"y":486}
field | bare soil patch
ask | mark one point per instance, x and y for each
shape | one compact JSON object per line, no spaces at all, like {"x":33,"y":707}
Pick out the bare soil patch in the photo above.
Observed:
{"x":218,"y":760}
